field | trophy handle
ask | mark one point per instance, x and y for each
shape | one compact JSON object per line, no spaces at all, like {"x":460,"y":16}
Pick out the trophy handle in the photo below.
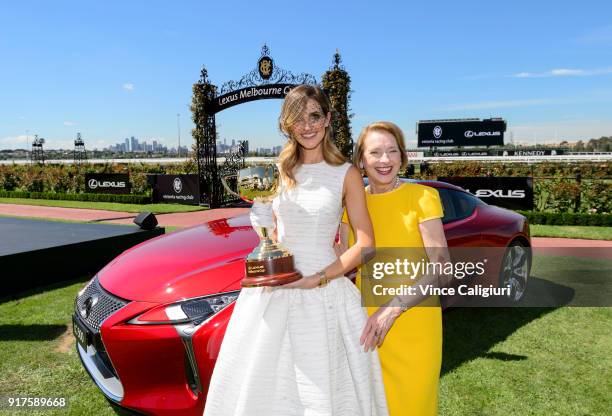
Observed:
{"x":231,"y":191}
{"x":267,"y":176}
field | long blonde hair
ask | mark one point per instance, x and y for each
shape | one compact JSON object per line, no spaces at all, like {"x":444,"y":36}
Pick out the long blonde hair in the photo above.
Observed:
{"x":291,"y":112}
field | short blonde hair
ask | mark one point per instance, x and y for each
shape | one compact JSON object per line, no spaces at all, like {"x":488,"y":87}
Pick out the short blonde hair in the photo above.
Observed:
{"x":390,"y":128}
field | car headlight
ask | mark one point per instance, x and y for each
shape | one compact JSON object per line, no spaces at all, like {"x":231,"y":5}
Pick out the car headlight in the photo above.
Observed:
{"x":195,"y":310}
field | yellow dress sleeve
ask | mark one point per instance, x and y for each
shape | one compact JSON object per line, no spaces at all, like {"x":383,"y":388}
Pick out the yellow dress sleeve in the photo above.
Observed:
{"x":429,"y":205}
{"x":345,"y":216}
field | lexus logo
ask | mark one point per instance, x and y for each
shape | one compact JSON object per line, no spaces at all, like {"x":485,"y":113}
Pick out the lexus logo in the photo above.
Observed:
{"x":177,"y":185}
{"x":437,"y":132}
{"x":94,"y":183}
{"x":471,"y":133}
{"x":89,"y":303}
{"x":499,"y":193}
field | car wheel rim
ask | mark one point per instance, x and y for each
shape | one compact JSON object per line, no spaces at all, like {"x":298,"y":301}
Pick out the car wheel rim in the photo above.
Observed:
{"x":515,"y":271}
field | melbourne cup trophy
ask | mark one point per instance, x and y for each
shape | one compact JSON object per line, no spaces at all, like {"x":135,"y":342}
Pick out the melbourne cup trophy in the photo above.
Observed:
{"x":269,"y":264}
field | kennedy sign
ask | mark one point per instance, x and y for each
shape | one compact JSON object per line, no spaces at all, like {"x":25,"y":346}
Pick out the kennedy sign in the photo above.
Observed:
{"x":244,"y":95}
{"x":531,"y":153}
{"x":469,"y":132}
{"x":107,"y":183}
{"x":507,"y":192}
{"x":179,"y":189}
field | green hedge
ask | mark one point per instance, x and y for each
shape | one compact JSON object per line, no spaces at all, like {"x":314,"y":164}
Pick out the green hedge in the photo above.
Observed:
{"x":555,"y":218}
{"x":123,"y":199}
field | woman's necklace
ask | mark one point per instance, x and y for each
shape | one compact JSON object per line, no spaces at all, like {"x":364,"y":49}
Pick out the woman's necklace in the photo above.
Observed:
{"x":396,"y":185}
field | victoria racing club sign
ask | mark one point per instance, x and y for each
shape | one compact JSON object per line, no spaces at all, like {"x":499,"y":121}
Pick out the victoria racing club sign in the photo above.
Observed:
{"x":107,"y":183}
{"x":179,"y":189}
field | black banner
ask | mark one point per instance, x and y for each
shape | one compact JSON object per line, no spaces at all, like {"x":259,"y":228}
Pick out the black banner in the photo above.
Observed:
{"x":506,"y":192}
{"x":244,"y":95}
{"x":108,"y":183}
{"x":461,"y":133}
{"x":177,"y":189}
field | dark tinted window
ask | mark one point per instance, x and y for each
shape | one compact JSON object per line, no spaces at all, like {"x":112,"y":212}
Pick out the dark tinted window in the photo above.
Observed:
{"x":457,"y":205}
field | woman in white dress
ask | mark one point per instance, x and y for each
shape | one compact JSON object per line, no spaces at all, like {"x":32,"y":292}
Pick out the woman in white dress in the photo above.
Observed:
{"x":295,"y":350}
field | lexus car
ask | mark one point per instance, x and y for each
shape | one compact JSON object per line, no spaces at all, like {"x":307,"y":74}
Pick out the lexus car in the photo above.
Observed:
{"x":149,"y":325}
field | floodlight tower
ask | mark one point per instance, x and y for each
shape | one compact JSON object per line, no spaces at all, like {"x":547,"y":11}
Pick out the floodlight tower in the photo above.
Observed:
{"x":80,"y":155}
{"x":38,"y":154}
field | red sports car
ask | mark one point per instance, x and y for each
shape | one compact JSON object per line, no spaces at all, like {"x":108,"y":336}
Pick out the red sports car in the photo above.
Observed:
{"x":149,"y":325}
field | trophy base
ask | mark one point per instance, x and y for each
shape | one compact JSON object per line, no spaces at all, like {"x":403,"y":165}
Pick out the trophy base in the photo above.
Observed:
{"x":271,"y":280}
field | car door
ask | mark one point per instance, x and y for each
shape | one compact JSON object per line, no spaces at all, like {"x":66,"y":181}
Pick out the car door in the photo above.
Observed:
{"x":460,"y":218}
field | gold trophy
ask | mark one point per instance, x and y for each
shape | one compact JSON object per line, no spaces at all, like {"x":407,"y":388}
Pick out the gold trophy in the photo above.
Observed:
{"x":269,"y":264}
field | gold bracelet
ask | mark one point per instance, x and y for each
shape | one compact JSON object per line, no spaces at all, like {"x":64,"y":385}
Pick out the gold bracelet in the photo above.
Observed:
{"x":323,"y":279}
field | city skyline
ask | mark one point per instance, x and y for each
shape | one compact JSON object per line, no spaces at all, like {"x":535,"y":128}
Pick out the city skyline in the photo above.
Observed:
{"x":117,"y":70}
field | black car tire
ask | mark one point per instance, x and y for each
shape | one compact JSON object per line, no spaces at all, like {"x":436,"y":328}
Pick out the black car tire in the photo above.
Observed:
{"x":515,"y":270}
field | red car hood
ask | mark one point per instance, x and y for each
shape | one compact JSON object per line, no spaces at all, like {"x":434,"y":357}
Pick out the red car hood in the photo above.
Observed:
{"x":197,"y":261}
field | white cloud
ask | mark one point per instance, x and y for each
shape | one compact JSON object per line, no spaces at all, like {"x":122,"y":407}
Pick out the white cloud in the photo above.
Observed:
{"x":128,"y":86}
{"x":485,"y":105}
{"x":69,"y":123}
{"x":564,"y":72}
{"x":23,"y":141}
{"x":14,"y":142}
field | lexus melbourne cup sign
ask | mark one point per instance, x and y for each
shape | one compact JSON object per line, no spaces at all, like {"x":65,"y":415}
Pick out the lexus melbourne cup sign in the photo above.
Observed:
{"x":470,"y":132}
{"x":107,"y":183}
{"x":179,"y":189}
{"x":245,"y":95}
{"x":507,"y":192}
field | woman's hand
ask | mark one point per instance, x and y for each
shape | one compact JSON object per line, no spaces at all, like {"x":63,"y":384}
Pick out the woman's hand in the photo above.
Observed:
{"x":306,"y":282}
{"x":377,"y":326}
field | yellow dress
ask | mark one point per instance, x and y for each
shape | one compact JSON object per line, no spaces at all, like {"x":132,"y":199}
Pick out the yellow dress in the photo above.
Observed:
{"x":411,"y":355}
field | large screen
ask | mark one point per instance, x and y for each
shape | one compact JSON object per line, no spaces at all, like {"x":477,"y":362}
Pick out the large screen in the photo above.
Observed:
{"x":440,"y":133}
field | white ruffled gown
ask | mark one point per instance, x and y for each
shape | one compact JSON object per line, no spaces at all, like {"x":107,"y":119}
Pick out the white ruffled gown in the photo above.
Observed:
{"x":296,"y":351}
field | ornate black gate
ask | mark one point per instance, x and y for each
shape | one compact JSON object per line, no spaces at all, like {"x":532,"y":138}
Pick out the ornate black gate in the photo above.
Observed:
{"x":266,"y":81}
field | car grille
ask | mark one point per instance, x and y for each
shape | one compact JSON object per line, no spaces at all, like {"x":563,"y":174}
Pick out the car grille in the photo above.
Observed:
{"x":104,"y":307}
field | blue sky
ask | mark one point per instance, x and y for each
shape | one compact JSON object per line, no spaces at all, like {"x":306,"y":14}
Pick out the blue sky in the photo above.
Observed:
{"x":116,"y":69}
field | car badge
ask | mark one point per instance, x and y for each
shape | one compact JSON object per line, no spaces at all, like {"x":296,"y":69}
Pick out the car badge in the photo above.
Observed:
{"x":89,"y":303}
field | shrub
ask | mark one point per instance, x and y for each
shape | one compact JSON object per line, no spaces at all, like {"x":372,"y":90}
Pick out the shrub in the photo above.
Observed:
{"x":596,"y":197}
{"x":567,"y":218}
{"x":123,"y":199}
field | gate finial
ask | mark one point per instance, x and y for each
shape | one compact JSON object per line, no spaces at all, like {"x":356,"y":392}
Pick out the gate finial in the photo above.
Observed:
{"x":337,"y":59}
{"x":203,"y":75}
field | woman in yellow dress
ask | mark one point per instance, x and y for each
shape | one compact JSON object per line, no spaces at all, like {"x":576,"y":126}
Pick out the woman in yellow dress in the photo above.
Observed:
{"x":403,"y":215}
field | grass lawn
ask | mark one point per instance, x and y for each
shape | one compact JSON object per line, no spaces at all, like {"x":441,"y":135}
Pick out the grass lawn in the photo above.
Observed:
{"x":38,"y":356}
{"x":571,"y":231}
{"x":110,"y":206}
{"x":527,"y":361}
{"x":522,"y":361}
